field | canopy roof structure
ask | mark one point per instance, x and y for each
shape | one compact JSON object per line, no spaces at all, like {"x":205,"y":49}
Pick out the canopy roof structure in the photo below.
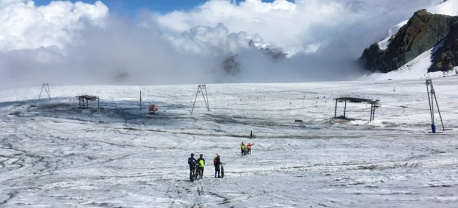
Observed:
{"x":374,"y":104}
{"x":84,"y":100}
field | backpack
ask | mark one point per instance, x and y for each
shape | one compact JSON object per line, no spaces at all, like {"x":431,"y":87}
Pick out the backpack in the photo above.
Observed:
{"x":191,"y":162}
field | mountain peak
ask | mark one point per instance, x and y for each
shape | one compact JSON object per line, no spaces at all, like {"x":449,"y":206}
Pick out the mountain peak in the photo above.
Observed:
{"x":422,"y":32}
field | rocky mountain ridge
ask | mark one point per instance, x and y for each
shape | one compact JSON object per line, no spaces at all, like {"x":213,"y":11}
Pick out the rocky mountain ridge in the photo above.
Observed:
{"x":422,"y":32}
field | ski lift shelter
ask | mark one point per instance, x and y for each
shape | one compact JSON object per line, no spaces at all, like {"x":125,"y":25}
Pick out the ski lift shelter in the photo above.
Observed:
{"x":84,"y":100}
{"x":374,"y":104}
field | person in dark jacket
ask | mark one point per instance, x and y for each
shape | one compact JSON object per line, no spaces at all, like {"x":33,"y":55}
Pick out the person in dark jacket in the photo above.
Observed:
{"x":217,"y":163}
{"x":192,"y":165}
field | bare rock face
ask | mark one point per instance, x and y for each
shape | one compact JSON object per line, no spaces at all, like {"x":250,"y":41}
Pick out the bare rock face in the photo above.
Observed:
{"x":446,"y":56}
{"x":422,"y":32}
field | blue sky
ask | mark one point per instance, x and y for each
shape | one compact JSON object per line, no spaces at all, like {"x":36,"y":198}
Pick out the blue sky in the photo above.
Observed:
{"x":131,"y":7}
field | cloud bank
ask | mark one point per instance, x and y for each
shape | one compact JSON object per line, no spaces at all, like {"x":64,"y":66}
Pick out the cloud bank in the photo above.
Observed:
{"x":219,"y":41}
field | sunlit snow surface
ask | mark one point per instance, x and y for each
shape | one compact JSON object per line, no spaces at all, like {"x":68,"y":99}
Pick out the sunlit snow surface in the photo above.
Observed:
{"x":54,"y":154}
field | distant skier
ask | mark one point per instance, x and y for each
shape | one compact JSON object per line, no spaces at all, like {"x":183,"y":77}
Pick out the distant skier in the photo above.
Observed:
{"x":249,"y":147}
{"x":242,"y":148}
{"x":192,"y":166}
{"x":201,"y":166}
{"x":217,"y":163}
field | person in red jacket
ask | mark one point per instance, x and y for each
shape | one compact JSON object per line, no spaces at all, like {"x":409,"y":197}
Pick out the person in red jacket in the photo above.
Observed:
{"x":248,"y":146}
{"x":217,"y":163}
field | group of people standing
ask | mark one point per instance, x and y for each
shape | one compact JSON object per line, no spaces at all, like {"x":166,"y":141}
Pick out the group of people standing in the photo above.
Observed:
{"x":245,"y":150}
{"x":196,"y":166}
{"x":199,"y":165}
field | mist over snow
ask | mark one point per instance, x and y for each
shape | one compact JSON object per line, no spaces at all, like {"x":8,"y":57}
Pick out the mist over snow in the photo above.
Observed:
{"x":66,"y":43}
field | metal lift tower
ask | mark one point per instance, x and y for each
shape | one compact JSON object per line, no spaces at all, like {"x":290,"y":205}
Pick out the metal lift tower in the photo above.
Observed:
{"x":46,"y":87}
{"x":201,"y":89}
{"x":431,"y":99}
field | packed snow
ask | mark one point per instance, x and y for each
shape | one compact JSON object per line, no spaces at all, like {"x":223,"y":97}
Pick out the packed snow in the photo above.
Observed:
{"x":55,"y":154}
{"x":447,"y":7}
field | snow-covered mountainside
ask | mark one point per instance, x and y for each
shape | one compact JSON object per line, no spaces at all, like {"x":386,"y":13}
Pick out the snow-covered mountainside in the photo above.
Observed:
{"x":449,"y":8}
{"x":55,"y":154}
{"x":427,"y":32}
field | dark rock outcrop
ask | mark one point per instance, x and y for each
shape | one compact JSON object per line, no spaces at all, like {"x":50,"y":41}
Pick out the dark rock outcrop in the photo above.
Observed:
{"x":446,"y":55}
{"x":422,"y":32}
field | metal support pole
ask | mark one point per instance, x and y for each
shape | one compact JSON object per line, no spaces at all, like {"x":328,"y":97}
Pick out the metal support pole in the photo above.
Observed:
{"x":373,"y":114}
{"x":335,"y":110}
{"x":195,"y":100}
{"x":205,"y":96}
{"x":345,"y":108}
{"x":428,"y":81}
{"x":437,"y":105}
{"x":370,"y":116}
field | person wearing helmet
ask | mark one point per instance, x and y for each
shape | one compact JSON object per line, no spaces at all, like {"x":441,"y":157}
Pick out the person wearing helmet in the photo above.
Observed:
{"x":201,"y":165}
{"x":217,"y":163}
{"x":192,"y":166}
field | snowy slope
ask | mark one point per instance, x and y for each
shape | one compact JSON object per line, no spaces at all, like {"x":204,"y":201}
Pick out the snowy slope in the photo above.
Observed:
{"x":448,"y":7}
{"x":418,"y":67}
{"x":53,"y":154}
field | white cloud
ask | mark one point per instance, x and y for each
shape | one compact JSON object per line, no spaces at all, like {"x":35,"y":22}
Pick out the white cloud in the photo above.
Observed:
{"x":212,"y":41}
{"x":71,"y":43}
{"x":25,"y":26}
{"x":250,"y":16}
{"x":291,"y":25}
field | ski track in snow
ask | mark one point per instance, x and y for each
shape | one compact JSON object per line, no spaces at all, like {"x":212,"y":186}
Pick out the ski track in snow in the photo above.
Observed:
{"x":53,"y":154}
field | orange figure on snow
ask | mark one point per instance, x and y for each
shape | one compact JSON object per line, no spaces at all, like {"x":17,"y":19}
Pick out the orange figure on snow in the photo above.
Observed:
{"x":249,"y":147}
